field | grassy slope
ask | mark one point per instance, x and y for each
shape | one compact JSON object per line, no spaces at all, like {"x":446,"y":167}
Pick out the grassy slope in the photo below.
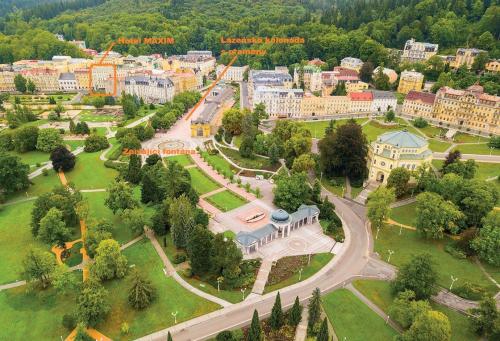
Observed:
{"x":353,"y":320}
{"x":201,"y":182}
{"x":405,"y":214}
{"x":317,"y":128}
{"x":226,"y":200}
{"x":379,"y":292}
{"x":90,"y":173}
{"x":183,"y":160}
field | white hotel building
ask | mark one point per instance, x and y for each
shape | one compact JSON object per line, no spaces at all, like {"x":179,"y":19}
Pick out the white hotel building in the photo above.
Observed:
{"x":233,"y":73}
{"x":150,"y":89}
{"x":280,"y":102}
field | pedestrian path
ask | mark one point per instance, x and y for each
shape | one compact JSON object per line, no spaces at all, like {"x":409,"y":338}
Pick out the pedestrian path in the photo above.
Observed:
{"x":262,"y":275}
{"x":361,"y":198}
{"x":301,"y":331}
{"x":408,"y":227}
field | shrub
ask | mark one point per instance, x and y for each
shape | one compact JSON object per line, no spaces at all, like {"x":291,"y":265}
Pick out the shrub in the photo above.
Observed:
{"x":188,"y":273}
{"x":38,"y":164}
{"x":469,"y":291}
{"x":53,"y":116}
{"x":124,"y":328}
{"x":45,"y":172}
{"x":419,"y":122}
{"x":179,"y":258}
{"x":94,"y":143}
{"x":456,"y":253}
{"x":69,"y":321}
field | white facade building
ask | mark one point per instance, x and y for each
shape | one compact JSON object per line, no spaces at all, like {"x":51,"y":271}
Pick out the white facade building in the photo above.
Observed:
{"x":67,"y":82}
{"x":383,"y":101}
{"x":351,"y":63}
{"x":233,"y":73}
{"x":279,"y":102}
{"x":150,"y":89}
{"x":415,"y":51}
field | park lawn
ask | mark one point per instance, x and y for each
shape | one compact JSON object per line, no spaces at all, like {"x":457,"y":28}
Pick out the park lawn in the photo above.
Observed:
{"x":36,"y":315}
{"x":183,"y":159}
{"x":171,"y":297}
{"x":218,"y":162}
{"x":233,"y":296}
{"x":432,"y":131}
{"x":493,"y":271}
{"x":481,"y":148}
{"x":409,"y":244}
{"x":33,"y":157}
{"x":98,"y":210}
{"x":355,"y":191}
{"x":438,"y":145}
{"x":379,"y":292}
{"x":372,"y":130}
{"x":353,"y":320}
{"x":115,"y":145}
{"x":226,"y":200}
{"x":90,"y":173}
{"x":101,"y":131}
{"x":91,"y":116}
{"x":201,"y":182}
{"x":468,"y":138}
{"x":237,"y":140}
{"x":484,"y":170}
{"x":74,"y":144}
{"x":75,"y":256}
{"x":405,"y":214}
{"x":40,"y":184}
{"x":317,"y":128}
{"x":256,"y":162}
{"x":318,"y":261}
{"x":15,"y":239}
{"x":335,"y":185}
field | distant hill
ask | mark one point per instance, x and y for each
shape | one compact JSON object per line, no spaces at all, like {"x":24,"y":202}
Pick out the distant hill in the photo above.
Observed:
{"x":8,"y":6}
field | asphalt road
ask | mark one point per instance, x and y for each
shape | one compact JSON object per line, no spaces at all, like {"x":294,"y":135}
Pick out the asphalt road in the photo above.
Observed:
{"x":244,"y":95}
{"x":347,"y":264}
{"x":477,"y":157}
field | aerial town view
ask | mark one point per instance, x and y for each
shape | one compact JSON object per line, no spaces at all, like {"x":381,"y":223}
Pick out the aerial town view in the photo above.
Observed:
{"x":250,"y":170}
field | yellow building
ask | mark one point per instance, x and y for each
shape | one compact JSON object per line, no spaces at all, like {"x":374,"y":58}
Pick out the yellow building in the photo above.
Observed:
{"x":471,"y":109}
{"x":355,"y":86}
{"x":396,"y":149}
{"x":410,"y":80}
{"x":322,"y":106}
{"x":184,"y":80}
{"x":82,"y":79}
{"x":209,"y":119}
{"x":418,"y":104}
{"x":465,"y":56}
{"x":45,"y":79}
{"x":6,"y":80}
{"x":493,"y":65}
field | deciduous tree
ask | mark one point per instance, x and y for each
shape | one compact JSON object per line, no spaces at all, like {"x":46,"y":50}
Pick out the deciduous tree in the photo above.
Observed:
{"x":379,"y":206}
{"x":109,"y":261}
{"x":13,"y":174}
{"x":406,"y":308}
{"x":486,"y":319}
{"x":120,"y":197}
{"x":291,"y":192}
{"x":39,"y":266}
{"x":435,"y":216}
{"x":429,"y":326}
{"x":62,"y":159}
{"x":487,"y":243}
{"x":135,"y":219}
{"x":53,"y":229}
{"x":92,"y":303}
{"x":398,"y":179}
{"x":418,"y":275}
{"x":48,"y":139}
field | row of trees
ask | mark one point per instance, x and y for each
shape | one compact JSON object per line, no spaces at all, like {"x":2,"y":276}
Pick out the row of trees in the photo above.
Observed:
{"x":172,"y":111}
{"x":30,"y":138}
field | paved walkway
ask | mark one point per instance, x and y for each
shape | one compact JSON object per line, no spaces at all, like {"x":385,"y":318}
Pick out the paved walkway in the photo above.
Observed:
{"x":403,"y":202}
{"x":218,"y":178}
{"x":12,"y":285}
{"x":301,"y":331}
{"x":262,"y":275}
{"x":361,"y":198}
{"x":170,"y":271}
{"x":408,"y":227}
{"x":208,"y":207}
{"x":453,"y":301}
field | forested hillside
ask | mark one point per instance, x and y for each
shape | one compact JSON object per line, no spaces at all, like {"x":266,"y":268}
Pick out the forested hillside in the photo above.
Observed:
{"x":332,"y":29}
{"x":7,"y":6}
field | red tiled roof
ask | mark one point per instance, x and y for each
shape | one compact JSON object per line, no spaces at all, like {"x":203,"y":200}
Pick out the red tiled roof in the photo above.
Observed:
{"x":426,"y":97}
{"x":361,"y":96}
{"x":342,"y":71}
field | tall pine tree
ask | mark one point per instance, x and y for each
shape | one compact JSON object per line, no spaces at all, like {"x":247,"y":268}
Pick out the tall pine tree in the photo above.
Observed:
{"x":314,"y":310}
{"x":142,"y":293}
{"x":295,"y":313}
{"x":323,"y":332}
{"x":149,"y":189}
{"x":134,"y":169}
{"x":254,"y":334}
{"x":276,"y":320}
{"x":169,"y":337}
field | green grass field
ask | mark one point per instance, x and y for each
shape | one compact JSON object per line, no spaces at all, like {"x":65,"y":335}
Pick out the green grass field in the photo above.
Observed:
{"x":318,"y":261}
{"x":317,"y":128}
{"x":226,"y":200}
{"x":373,"y":129}
{"x":219,"y":162}
{"x":171,"y":297}
{"x":33,"y":157}
{"x":74,"y":144}
{"x":233,"y":296}
{"x":432,"y":131}
{"x":438,"y":145}
{"x":405,"y":214}
{"x":183,"y":159}
{"x":91,"y":116}
{"x":481,"y":148}
{"x":40,"y":185}
{"x":257,"y":162}
{"x":90,"y":173}
{"x":201,"y":182}
{"x":379,"y":292}
{"x":36,"y":315}
{"x":15,"y":239}
{"x":353,"y":320}
{"x":355,"y":191}
{"x":335,"y":185}
{"x":408,"y":244}
{"x":467,"y":138}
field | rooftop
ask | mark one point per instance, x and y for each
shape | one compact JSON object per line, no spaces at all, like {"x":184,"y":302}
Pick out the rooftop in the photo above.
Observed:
{"x":402,"y":139}
{"x":426,"y":97}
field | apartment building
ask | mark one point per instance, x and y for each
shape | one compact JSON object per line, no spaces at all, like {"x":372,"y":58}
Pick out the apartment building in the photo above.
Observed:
{"x":310,"y":75}
{"x":415,"y":51}
{"x":466,"y":57}
{"x":101,"y":75}
{"x":393,"y":75}
{"x":311,"y":105}
{"x":6,"y":78}
{"x":82,"y":79}
{"x":351,"y":63}
{"x":233,"y":73}
{"x":280,"y":102}
{"x":45,"y":79}
{"x":193,"y":60}
{"x":471,"y":109}
{"x":355,"y":86}
{"x":383,"y":101}
{"x":493,"y":65}
{"x":360,"y":101}
{"x":418,"y":104}
{"x":67,"y":82}
{"x":279,"y":77}
{"x":184,"y":80}
{"x":151,"y":89}
{"x":210,"y":118}
{"x":410,"y":81}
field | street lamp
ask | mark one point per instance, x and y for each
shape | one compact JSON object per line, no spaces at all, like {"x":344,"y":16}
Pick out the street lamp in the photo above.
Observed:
{"x":219,"y":280}
{"x":309,"y":260}
{"x":453,"y":279}
{"x":390,"y":254}
{"x":376,"y":235}
{"x":175,"y":316}
{"x":243,"y":292}
{"x":400,"y":229}
{"x":300,"y":273}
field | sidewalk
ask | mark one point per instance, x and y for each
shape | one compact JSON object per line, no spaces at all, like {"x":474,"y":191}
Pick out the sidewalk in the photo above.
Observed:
{"x":301,"y":331}
{"x":261,"y":280}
